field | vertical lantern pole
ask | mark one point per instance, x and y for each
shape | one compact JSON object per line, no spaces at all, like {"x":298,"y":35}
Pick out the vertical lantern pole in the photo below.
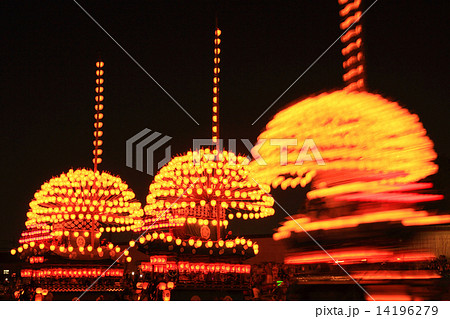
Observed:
{"x":98,"y":115}
{"x":216,"y":79}
{"x":215,"y":110}
{"x":354,"y":68}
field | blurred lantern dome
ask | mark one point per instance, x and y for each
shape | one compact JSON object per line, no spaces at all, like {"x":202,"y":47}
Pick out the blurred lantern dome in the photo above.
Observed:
{"x":352,"y":132}
{"x":363,"y":155}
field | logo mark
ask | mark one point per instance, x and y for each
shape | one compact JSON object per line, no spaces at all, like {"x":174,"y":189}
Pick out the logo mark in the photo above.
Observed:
{"x":145,"y":141}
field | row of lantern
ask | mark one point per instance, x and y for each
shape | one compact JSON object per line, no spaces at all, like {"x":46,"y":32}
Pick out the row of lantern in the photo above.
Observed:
{"x":197,"y":243}
{"x":91,"y":182}
{"x":149,"y":224}
{"x":158,"y":259}
{"x":360,"y":255}
{"x":407,"y":217}
{"x":79,"y":200}
{"x":54,"y":210}
{"x":75,"y":234}
{"x":161,"y":286}
{"x":218,"y":198}
{"x":223,"y":202}
{"x":162,"y":223}
{"x":34,"y":239}
{"x":96,"y":217}
{"x":36,"y":259}
{"x":106,"y":214}
{"x":96,"y":186}
{"x":214,"y":186}
{"x":84,"y":189}
{"x":98,"y":115}
{"x":70,"y":249}
{"x":185,"y":211}
{"x":216,"y":79}
{"x":70,"y":272}
{"x":114,"y":220}
{"x":58,"y":233}
{"x":184,"y":266}
{"x":116,"y":206}
{"x":215,"y":192}
{"x":246,"y":216}
{"x":205,"y":222}
{"x":35,"y":232}
{"x":352,"y":51}
{"x":260,"y":208}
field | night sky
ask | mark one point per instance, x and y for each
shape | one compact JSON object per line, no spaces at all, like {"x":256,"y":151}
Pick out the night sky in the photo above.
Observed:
{"x":47,"y":68}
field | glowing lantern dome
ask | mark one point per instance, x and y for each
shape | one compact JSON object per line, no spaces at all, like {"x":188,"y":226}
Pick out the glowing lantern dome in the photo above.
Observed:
{"x":194,"y":195}
{"x":70,"y":214}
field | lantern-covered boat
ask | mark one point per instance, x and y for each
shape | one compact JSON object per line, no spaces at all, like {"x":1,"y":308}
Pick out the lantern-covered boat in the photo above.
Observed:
{"x":369,"y":196}
{"x":184,"y":227}
{"x":67,"y":241}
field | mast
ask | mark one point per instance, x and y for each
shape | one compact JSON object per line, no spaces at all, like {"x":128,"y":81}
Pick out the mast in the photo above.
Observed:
{"x":215,"y":112}
{"x":354,"y":76}
{"x":216,"y":79}
{"x":98,"y":116}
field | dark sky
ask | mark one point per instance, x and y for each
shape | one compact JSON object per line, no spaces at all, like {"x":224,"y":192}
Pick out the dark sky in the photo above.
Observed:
{"x":47,"y":70}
